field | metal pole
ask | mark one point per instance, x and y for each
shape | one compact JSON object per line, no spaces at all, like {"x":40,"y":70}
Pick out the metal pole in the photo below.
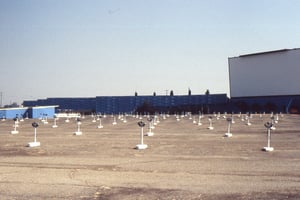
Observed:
{"x":142,"y":134}
{"x":269,"y":137}
{"x":1,"y":95}
{"x":34,"y":134}
{"x":150,"y":125}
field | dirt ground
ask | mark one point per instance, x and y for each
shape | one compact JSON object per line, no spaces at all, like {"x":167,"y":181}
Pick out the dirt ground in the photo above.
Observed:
{"x":183,"y":160}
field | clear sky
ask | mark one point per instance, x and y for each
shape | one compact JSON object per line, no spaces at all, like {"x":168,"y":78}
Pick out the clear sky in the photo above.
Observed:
{"x":88,"y":48}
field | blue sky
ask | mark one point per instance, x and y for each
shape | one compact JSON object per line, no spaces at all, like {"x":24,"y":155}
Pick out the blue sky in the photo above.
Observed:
{"x":88,"y":48}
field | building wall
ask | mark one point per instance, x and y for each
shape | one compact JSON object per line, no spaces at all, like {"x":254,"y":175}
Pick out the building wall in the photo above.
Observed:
{"x":15,"y":112}
{"x":30,"y":112}
{"x":42,"y":112}
{"x":127,"y":104}
{"x":131,"y":103}
{"x":66,"y":104}
{"x":288,"y":104}
{"x":2,"y":114}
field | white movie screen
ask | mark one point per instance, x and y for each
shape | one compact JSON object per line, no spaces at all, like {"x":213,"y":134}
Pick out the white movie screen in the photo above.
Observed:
{"x":265,"y":74}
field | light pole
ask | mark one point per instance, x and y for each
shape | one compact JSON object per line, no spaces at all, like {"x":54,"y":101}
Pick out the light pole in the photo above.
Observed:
{"x":35,"y":143}
{"x":268,"y":125}
{"x":141,"y":145}
{"x":229,"y":122}
{"x":78,"y":132}
{"x":16,"y":122}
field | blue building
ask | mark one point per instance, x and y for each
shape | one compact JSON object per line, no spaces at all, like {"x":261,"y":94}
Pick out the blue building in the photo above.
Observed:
{"x":28,"y":112}
{"x":10,"y":113}
{"x":127,"y":104}
{"x":66,"y":104}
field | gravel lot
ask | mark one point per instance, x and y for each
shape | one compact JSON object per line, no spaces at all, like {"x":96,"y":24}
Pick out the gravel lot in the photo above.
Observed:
{"x":183,"y":160}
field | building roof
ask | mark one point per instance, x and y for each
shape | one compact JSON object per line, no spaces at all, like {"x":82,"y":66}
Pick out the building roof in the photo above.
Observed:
{"x":265,"y":52}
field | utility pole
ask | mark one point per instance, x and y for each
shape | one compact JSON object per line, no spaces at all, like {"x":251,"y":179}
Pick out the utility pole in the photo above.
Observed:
{"x":1,"y":96}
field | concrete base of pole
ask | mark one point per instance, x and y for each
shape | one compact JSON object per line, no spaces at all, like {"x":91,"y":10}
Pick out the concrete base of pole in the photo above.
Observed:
{"x":228,"y":135}
{"x":78,"y":133}
{"x":141,"y":146}
{"x":100,"y":126}
{"x":54,"y":126}
{"x":248,"y":124}
{"x":33,"y":144}
{"x":14,"y":132}
{"x":268,"y":149}
{"x":149,"y":134}
{"x":210,"y":128}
